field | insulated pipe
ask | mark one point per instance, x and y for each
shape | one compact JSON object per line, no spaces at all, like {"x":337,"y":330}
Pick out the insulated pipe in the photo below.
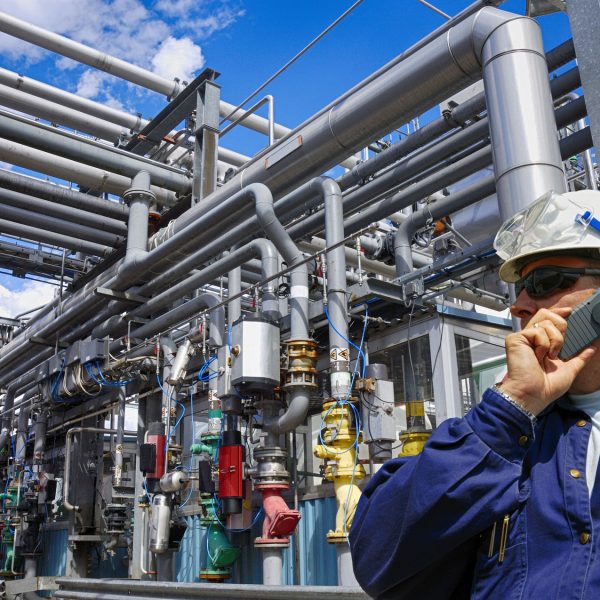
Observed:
{"x":81,"y":53}
{"x":71,"y":170}
{"x":412,"y":165}
{"x":336,"y":291}
{"x":53,"y":239}
{"x":479,"y":190}
{"x":84,"y":302}
{"x":405,"y":90}
{"x":115,"y":66}
{"x":299,"y":395}
{"x":90,"y":152}
{"x":299,"y":275}
{"x":67,"y":478}
{"x":234,"y":288}
{"x":53,"y":209}
{"x":42,"y":90}
{"x":140,"y":195}
{"x":527,"y":160}
{"x":61,"y":195}
{"x":56,"y":113}
{"x":58,"y":225}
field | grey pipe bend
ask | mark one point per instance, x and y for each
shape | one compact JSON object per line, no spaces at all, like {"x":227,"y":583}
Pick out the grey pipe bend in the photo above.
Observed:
{"x":117,"y":325}
{"x":299,"y":396}
{"x":287,"y":248}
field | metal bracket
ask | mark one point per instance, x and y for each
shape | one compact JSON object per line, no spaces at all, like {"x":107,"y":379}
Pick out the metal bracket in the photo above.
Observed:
{"x":124,"y":296}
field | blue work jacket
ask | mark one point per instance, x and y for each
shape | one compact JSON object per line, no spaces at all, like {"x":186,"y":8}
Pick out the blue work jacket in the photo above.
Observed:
{"x":496,"y":506}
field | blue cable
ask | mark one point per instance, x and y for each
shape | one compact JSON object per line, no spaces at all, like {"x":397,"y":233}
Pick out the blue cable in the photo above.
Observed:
{"x":191,"y":455}
{"x":205,"y":374}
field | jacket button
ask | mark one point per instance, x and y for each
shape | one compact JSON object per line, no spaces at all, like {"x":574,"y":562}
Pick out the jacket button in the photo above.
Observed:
{"x":581,"y":423}
{"x":575,"y":473}
{"x":584,"y":538}
{"x":523,"y":440}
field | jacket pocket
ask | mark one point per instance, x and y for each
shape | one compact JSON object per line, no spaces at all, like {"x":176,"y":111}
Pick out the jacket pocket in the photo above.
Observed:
{"x":501,"y":566}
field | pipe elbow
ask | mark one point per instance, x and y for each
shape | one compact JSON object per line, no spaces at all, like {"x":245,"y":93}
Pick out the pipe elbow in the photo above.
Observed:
{"x":295,"y":414}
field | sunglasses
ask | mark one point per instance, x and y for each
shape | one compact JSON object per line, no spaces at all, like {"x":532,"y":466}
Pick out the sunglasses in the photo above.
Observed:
{"x":544,"y":281}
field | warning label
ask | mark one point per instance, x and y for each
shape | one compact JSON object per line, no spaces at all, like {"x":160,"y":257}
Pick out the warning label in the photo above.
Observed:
{"x":338,"y":354}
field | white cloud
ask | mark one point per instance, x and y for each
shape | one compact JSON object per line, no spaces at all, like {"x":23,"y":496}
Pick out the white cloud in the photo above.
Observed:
{"x":31,"y":295}
{"x":221,"y":19}
{"x":163,"y":37}
{"x":90,"y":82}
{"x":178,"y":58}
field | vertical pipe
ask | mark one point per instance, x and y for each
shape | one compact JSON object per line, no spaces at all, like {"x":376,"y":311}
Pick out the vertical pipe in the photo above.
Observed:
{"x":118,"y":473}
{"x":234,"y":285}
{"x":346,"y":577}
{"x":272,"y":566}
{"x":336,"y":291}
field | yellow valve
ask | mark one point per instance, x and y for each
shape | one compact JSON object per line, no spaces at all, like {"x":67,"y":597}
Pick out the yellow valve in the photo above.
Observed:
{"x":339,"y":452}
{"x":413,"y":442}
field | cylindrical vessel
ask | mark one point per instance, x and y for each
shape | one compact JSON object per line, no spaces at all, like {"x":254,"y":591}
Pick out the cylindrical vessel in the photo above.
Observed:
{"x":159,"y":524}
{"x":255,"y":353}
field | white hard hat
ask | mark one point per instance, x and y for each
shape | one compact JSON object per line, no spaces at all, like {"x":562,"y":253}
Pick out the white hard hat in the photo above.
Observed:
{"x":554,"y":224}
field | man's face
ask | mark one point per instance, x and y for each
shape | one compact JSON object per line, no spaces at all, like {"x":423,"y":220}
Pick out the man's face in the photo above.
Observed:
{"x":525,"y":306}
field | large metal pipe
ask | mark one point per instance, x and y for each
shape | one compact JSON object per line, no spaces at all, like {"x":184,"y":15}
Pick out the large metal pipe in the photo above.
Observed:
{"x":56,"y":113}
{"x":71,"y":170}
{"x":527,"y":159}
{"x":403,"y":91}
{"x":47,"y":222}
{"x":258,"y":247}
{"x":299,"y":395}
{"x":53,"y":239}
{"x":61,"y":195}
{"x":81,"y":53}
{"x":53,"y":209}
{"x":55,"y":95}
{"x":117,"y":67}
{"x":336,"y":291}
{"x":90,"y":152}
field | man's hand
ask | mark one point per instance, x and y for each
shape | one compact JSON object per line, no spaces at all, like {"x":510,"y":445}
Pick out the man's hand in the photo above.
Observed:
{"x":536,"y":376}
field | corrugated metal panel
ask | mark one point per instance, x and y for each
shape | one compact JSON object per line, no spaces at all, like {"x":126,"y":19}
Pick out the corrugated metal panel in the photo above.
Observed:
{"x":53,"y":559}
{"x":318,"y":565}
{"x":318,"y":561}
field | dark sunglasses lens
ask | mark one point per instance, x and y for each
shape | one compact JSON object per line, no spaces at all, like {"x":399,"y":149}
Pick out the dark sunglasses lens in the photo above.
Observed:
{"x":544,"y":282}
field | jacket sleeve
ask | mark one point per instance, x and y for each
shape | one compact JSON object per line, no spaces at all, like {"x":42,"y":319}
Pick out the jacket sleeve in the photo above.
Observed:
{"x":416,"y":510}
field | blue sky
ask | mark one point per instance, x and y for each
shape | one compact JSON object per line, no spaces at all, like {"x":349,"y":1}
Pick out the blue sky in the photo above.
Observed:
{"x":245,"y":40}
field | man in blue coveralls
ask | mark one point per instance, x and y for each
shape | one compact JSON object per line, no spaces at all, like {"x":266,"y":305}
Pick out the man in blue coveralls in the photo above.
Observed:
{"x":502,"y":504}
